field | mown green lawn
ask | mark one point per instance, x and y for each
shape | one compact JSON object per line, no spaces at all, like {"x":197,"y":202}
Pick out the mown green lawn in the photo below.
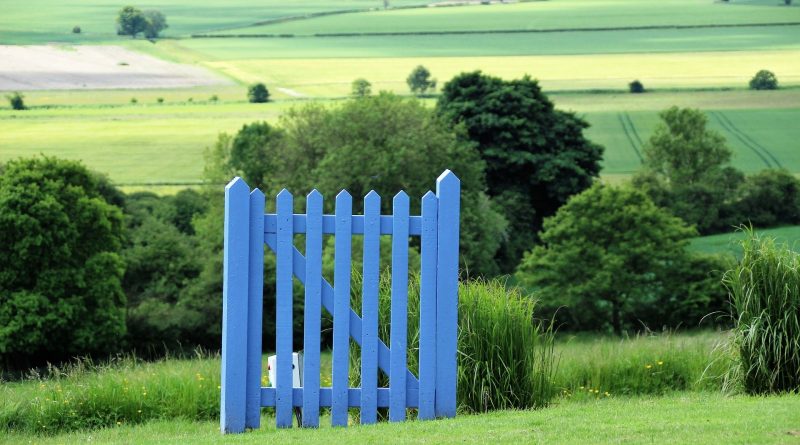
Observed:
{"x":729,"y":242}
{"x":675,"y":419}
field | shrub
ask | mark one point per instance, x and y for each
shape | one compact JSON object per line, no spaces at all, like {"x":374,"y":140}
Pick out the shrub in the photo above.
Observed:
{"x":76,"y":29}
{"x":764,"y":80}
{"x":636,"y":87}
{"x":258,"y":93}
{"x":133,"y":100}
{"x":768,"y":198}
{"x":214,"y":98}
{"x":765,"y":298}
{"x":160,"y":100}
{"x":361,"y":87}
{"x":16,"y":101}
{"x":505,"y":356}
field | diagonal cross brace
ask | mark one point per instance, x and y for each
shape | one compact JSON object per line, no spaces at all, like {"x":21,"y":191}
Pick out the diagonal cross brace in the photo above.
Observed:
{"x":299,"y":264}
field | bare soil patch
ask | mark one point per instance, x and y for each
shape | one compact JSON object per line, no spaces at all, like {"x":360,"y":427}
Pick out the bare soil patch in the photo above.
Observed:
{"x":50,"y":67}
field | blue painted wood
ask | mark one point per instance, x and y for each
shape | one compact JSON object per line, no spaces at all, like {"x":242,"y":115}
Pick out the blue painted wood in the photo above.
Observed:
{"x":234,"y":307}
{"x":255,"y":307}
{"x":341,"y":308}
{"x":283,"y":310}
{"x":329,"y":224}
{"x":427,"y":303}
{"x":354,"y":396}
{"x":412,"y":383}
{"x":313,"y":310}
{"x":399,"y":309}
{"x":448,"y":190}
{"x":369,"y":308}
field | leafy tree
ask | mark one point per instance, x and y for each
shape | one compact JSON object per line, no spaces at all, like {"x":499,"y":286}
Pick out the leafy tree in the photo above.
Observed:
{"x":258,"y":93}
{"x":131,"y":21}
{"x":60,"y":290}
{"x":16,"y":100}
{"x":636,"y":87}
{"x":252,"y":149}
{"x":764,"y":80}
{"x":769,"y":198}
{"x":605,"y":252}
{"x":419,"y":81}
{"x":686,"y":169}
{"x":536,"y":156}
{"x":361,"y":87}
{"x":76,"y":29}
{"x":155,"y":22}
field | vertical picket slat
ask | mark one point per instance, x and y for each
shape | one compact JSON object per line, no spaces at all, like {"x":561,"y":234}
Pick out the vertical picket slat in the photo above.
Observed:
{"x":369,"y":308}
{"x":255,"y":308}
{"x":313,"y":309}
{"x":427,"y":307}
{"x":341,"y":308}
{"x":399,"y":310}
{"x":283,"y":310}
{"x":448,"y":190}
{"x":234,"y":307}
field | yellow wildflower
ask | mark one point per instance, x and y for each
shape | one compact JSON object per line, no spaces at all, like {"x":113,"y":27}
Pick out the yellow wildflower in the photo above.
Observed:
{"x":660,"y":363}
{"x":648,"y":366}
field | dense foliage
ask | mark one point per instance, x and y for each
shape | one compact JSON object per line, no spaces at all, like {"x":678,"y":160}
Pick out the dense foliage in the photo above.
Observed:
{"x":420,"y":81}
{"x":17,"y":101}
{"x":361,"y":87}
{"x":536,"y":156}
{"x":132,"y":21}
{"x":610,"y":256}
{"x":764,"y":80}
{"x":60,"y":280}
{"x":257,"y":93}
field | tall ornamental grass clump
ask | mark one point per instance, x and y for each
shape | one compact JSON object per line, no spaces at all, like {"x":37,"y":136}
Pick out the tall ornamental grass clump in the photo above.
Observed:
{"x":765,"y":298}
{"x":85,"y":395}
{"x":505,"y":355}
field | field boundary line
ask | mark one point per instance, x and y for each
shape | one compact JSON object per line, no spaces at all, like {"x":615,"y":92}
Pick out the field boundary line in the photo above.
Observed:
{"x":725,"y":125}
{"x":631,"y":141}
{"x":491,"y":31}
{"x":742,"y":135}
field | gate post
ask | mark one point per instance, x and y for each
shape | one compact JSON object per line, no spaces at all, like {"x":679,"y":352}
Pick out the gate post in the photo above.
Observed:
{"x":448,"y":190}
{"x":234,"y":306}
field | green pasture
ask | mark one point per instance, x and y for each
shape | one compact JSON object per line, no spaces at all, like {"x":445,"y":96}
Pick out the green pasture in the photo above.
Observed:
{"x":729,"y":242}
{"x":43,"y":21}
{"x":148,"y":143}
{"x":556,"y":14}
{"x":503,"y":44}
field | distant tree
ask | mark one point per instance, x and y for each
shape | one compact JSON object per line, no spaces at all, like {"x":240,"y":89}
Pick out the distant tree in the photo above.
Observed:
{"x":60,"y":241}
{"x":130,"y":21}
{"x":160,"y":100}
{"x":419,"y":81}
{"x":76,"y":29}
{"x":252,"y":150}
{"x":687,"y":169}
{"x":16,"y":100}
{"x":764,"y":80}
{"x":636,"y":87}
{"x":536,"y":156}
{"x":361,"y":87}
{"x":155,"y":23}
{"x":258,"y":93}
{"x":214,"y":98}
{"x":768,"y":198}
{"x":602,"y":254}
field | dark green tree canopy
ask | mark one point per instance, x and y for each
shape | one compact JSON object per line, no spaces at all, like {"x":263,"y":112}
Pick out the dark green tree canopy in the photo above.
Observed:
{"x":258,"y":93}
{"x":764,"y":80}
{"x":536,"y":156}
{"x":603,"y":253}
{"x":61,"y":269}
{"x":131,"y":21}
{"x":420,"y":81}
{"x":155,"y":22}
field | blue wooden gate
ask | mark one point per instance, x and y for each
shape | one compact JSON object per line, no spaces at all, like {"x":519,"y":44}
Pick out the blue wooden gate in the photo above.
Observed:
{"x":248,"y":229}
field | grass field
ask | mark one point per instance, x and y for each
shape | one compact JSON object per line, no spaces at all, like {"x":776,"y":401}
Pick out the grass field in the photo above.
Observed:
{"x":562,"y":14}
{"x":675,"y":419}
{"x":729,"y":242}
{"x":125,"y":139}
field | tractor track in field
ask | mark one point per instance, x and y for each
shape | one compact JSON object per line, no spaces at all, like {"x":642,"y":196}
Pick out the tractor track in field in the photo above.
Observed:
{"x":631,"y":134}
{"x":748,"y":142}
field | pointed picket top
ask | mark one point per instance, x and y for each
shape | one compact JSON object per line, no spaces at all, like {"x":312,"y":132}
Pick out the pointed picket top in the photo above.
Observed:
{"x":344,"y":197}
{"x":372,"y":198}
{"x":313,"y":194}
{"x":428,"y":197}
{"x":237,"y":184}
{"x":284,"y":194}
{"x":447,"y":179}
{"x":401,"y":198}
{"x":257,"y":194}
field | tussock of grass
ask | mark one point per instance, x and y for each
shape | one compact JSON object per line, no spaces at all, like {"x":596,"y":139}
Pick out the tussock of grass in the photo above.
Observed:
{"x":591,"y":367}
{"x":765,"y":295}
{"x":124,"y":391}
